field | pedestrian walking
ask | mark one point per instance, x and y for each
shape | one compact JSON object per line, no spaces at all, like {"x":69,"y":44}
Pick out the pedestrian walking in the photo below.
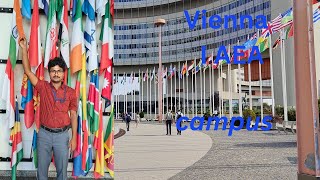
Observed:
{"x":179,"y":115}
{"x":169,"y":119}
{"x":128,"y":119}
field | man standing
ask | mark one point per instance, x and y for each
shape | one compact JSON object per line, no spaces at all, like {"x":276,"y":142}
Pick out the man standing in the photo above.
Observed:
{"x":179,"y":115}
{"x":169,"y":119}
{"x":57,"y":101}
{"x":128,"y":119}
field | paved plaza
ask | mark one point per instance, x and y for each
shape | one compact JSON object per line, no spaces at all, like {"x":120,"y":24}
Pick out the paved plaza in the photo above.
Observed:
{"x":147,"y":153}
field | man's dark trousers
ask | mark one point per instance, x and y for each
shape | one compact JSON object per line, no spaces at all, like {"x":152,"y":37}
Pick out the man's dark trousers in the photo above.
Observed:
{"x":168,"y":124}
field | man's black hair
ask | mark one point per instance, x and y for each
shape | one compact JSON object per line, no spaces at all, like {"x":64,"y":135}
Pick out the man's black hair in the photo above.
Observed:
{"x":57,"y":61}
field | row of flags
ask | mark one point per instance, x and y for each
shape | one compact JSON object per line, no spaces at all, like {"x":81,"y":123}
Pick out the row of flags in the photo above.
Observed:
{"x":82,"y":58}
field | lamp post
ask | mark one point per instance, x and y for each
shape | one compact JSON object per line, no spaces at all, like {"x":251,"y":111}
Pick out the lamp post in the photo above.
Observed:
{"x":159,"y":23}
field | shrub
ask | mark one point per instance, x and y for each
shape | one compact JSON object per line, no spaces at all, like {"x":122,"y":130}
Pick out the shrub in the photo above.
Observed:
{"x":141,"y":114}
{"x":246,"y":114}
{"x":279,"y":111}
{"x":292,"y":114}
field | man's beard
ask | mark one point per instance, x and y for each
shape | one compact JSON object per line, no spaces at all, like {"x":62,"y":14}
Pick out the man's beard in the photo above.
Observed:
{"x":56,"y":81}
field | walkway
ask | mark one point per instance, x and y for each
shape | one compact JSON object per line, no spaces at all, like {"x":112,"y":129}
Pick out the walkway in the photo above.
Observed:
{"x":146,"y":153}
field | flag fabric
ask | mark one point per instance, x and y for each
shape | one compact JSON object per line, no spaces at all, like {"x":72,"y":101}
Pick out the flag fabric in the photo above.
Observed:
{"x":16,"y":144}
{"x":109,"y":145}
{"x":107,"y":84}
{"x":145,"y":77}
{"x":93,"y":101}
{"x":51,"y":35}
{"x":63,"y":35}
{"x":263,"y":44}
{"x":90,"y":35}
{"x":184,"y":69}
{"x":44,"y":4}
{"x":191,"y":66}
{"x":35,"y":57}
{"x":77,"y":40}
{"x":106,"y":37}
{"x":98,"y":144}
{"x":8,"y":84}
{"x":34,"y":149}
{"x":276,"y":23}
{"x":36,"y":96}
{"x":289,"y":32}
{"x":27,"y":103}
{"x":316,"y":15}
{"x":266,"y":32}
{"x":77,"y":153}
{"x":26,"y":9}
{"x":164,"y":74}
{"x":86,"y":144}
{"x":276,"y":43}
{"x":287,"y":18}
{"x":100,"y":9}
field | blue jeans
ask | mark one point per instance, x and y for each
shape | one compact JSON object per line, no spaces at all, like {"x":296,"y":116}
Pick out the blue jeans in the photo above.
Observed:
{"x":58,"y":143}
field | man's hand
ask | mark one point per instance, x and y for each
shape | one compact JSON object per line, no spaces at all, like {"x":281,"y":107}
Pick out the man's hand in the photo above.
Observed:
{"x":23,"y":43}
{"x":73,"y":144}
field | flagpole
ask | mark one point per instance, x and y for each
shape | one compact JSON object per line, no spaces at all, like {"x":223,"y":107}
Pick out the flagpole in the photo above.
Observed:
{"x":167,"y":90}
{"x":150,"y":98}
{"x":187,"y":91}
{"x":201,"y":97}
{"x":240,"y":87}
{"x":139,"y":80}
{"x":222,"y":108}
{"x":148,"y":91}
{"x":195,"y":88}
{"x":283,"y":70}
{"x":142,"y":103}
{"x":210,"y":87}
{"x":171,"y":87}
{"x":204,"y":90}
{"x":250,"y":91}
{"x":155,"y":97}
{"x":175,"y":89}
{"x":179,"y":75}
{"x":271,"y":72}
{"x":134,"y":96}
{"x":260,"y":82}
{"x":192,"y":79}
{"x":184,"y":94}
{"x":213,"y":108}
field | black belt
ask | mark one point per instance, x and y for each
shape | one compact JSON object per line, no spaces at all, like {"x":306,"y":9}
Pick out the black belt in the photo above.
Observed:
{"x":55,"y":130}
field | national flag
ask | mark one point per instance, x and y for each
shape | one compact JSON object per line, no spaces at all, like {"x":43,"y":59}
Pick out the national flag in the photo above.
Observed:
{"x":109,"y":144}
{"x":192,"y":65}
{"x":262,"y":43}
{"x":77,"y":40}
{"x":267,"y":32}
{"x":316,"y":15}
{"x":26,"y":9}
{"x":93,"y":101}
{"x":27,"y":103}
{"x":100,"y":9}
{"x":287,"y":18}
{"x":289,"y":32}
{"x":51,"y":35}
{"x":16,"y":143}
{"x":90,"y":35}
{"x":107,"y":84}
{"x":34,"y":149}
{"x":64,"y":36}
{"x":8,"y":84}
{"x":86,"y":144}
{"x":106,"y":36}
{"x":36,"y":96}
{"x":184,"y":69}
{"x":276,"y":24}
{"x":164,"y":74}
{"x":276,"y":43}
{"x":77,"y":153}
{"x":35,"y":57}
{"x":98,"y":144}
{"x":145,"y":77}
{"x":153,"y":74}
{"x":44,"y":4}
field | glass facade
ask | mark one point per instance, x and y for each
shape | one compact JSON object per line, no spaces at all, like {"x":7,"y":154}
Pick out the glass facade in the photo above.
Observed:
{"x":136,"y":37}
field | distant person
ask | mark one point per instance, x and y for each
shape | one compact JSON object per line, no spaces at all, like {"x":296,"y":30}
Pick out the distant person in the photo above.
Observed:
{"x":179,"y":115}
{"x":137,"y":119}
{"x":169,"y":118}
{"x":128,"y":119}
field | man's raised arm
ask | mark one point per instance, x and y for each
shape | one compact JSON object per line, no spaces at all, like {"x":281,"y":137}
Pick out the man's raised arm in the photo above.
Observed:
{"x":25,"y":62}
